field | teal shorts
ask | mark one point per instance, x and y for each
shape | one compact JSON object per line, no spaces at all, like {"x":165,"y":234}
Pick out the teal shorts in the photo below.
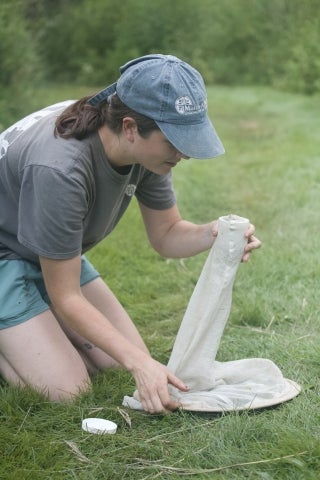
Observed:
{"x":22,"y":290}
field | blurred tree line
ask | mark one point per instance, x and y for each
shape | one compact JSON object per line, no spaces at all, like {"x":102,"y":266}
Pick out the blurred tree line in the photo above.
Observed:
{"x":268,"y":42}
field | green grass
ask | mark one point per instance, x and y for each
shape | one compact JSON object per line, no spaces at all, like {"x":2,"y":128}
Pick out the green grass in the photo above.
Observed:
{"x":271,"y":174}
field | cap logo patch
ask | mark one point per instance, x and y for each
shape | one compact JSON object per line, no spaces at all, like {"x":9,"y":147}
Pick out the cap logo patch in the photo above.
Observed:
{"x":184,"y":106}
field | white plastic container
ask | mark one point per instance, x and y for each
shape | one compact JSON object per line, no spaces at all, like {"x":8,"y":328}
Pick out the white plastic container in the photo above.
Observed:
{"x":99,"y":426}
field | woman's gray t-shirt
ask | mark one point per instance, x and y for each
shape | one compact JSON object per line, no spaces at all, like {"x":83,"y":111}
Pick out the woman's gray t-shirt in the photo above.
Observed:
{"x":58,"y":197}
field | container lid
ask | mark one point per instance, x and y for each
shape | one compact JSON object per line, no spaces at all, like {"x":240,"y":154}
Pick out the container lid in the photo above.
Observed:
{"x":98,"y":425}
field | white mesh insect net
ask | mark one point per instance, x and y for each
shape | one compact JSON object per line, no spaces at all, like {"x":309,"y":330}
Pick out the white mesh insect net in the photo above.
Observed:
{"x":220,"y":386}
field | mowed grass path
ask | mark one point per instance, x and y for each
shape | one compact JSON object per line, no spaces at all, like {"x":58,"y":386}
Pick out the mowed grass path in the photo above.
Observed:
{"x":270,"y":174}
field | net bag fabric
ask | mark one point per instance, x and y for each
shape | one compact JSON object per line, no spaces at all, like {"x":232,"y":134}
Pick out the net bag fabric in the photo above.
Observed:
{"x":213,"y":385}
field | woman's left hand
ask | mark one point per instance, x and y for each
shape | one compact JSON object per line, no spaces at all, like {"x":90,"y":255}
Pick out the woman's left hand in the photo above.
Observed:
{"x":253,"y":243}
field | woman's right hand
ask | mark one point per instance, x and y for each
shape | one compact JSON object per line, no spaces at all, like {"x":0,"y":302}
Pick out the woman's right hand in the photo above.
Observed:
{"x":152,"y":379}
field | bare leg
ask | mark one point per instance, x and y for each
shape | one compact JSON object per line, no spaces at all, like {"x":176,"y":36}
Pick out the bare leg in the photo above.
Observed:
{"x":99,"y":295}
{"x":38,"y":353}
{"x":54,"y":359}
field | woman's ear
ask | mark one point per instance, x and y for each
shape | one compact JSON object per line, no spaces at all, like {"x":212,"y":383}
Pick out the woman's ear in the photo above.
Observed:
{"x":129,"y":128}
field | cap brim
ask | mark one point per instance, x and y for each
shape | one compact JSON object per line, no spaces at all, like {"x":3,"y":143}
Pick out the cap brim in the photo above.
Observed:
{"x":196,"y":141}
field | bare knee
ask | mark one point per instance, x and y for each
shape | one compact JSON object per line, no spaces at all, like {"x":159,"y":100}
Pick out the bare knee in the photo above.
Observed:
{"x":67,"y":393}
{"x":56,"y":387}
{"x":65,"y":385}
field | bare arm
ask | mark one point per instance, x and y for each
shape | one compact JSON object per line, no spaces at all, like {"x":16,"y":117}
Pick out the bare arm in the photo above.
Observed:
{"x":173,"y":237}
{"x":62,"y":278}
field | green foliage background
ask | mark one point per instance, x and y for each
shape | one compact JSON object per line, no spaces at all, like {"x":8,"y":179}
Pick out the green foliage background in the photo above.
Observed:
{"x":267,"y":42}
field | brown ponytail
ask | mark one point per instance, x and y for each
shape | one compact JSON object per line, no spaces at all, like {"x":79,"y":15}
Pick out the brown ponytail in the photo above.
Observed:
{"x":80,"y":119}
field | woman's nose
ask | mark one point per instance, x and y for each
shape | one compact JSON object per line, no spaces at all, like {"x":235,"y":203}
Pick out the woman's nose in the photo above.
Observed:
{"x":180,"y":155}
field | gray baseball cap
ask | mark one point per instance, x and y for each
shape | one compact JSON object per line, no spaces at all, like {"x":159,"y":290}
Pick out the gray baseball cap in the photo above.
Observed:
{"x":172,"y":93}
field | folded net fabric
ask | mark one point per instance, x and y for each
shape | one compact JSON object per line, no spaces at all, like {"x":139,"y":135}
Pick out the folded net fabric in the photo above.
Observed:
{"x":213,"y":385}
